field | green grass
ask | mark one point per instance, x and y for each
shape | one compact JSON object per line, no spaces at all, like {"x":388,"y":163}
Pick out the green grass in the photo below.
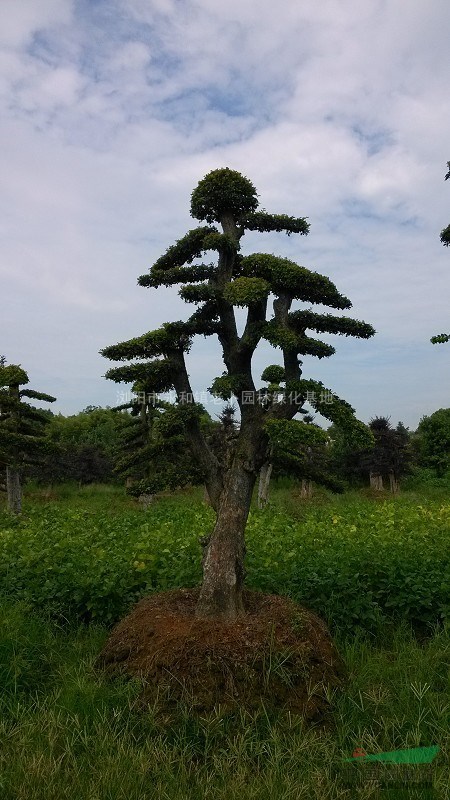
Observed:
{"x":374,"y":568}
{"x":66,"y":731}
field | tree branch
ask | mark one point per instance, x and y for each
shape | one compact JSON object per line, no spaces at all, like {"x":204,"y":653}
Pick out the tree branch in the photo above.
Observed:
{"x":199,"y":446}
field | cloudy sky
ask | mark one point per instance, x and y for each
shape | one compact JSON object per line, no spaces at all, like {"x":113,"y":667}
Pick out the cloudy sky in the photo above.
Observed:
{"x":112,"y":110}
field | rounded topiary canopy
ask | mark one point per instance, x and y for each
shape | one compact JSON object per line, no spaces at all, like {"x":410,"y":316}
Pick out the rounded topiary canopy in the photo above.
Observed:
{"x":13,"y":375}
{"x":222,"y":191}
{"x":273,"y":373}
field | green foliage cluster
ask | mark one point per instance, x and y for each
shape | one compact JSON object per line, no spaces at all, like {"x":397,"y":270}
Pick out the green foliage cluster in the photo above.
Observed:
{"x":169,"y":336}
{"x":153,"y":452}
{"x":22,"y":426}
{"x":357,"y":565}
{"x":333,"y":408}
{"x":158,"y":454}
{"x":285,"y":275}
{"x":158,"y":373}
{"x":223,"y":191}
{"x":441,"y":338}
{"x":391,"y":453}
{"x":82,"y":447}
{"x":12,"y":375}
{"x":300,"y":449}
{"x":190,"y":246}
{"x":424,"y":479}
{"x":445,"y":236}
{"x":433,"y":436}
{"x":246,"y":291}
{"x":264,"y":223}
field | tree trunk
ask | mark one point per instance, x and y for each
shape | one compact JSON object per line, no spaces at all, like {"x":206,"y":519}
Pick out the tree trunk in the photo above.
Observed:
{"x":376,"y":481}
{"x":394,"y":483}
{"x":145,"y":500}
{"x":306,"y":488}
{"x":206,"y":497}
{"x":14,"y":490}
{"x":223,"y":563}
{"x":264,"y":484}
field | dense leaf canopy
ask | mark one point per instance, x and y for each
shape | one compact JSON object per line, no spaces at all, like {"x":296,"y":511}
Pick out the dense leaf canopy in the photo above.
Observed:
{"x":21,"y":424}
{"x":228,"y":202}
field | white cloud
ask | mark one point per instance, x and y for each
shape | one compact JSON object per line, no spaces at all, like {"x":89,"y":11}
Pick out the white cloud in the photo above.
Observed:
{"x":21,"y":19}
{"x":113,"y":111}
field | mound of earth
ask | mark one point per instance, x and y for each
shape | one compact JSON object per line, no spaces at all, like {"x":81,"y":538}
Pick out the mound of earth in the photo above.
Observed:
{"x":278,"y":654}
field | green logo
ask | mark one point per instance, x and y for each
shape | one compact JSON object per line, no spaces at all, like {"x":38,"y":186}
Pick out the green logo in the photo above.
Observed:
{"x":414,"y":755}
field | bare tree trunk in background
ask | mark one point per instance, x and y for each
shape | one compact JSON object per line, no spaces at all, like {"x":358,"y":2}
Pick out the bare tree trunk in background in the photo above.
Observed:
{"x":376,"y":481}
{"x":14,"y":490}
{"x":145,"y":500}
{"x":264,"y":484}
{"x":206,"y":498}
{"x":306,"y":488}
{"x":394,"y":483}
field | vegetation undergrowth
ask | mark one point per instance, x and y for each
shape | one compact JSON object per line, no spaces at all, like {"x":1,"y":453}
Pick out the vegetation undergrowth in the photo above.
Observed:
{"x":359,"y":562}
{"x":376,"y":568}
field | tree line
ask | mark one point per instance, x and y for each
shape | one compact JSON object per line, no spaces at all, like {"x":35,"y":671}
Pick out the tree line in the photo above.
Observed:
{"x":144,"y":445}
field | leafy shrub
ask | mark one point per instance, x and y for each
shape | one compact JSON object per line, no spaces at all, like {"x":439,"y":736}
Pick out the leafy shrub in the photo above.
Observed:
{"x":354,"y":561}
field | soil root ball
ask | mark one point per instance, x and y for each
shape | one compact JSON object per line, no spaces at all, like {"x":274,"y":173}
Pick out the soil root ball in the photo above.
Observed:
{"x":277,"y":654}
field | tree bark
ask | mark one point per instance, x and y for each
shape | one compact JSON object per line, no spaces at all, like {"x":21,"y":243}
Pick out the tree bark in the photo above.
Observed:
{"x":306,"y":488}
{"x":264,"y":484}
{"x":223,"y":563}
{"x":206,"y":498}
{"x":14,"y":490}
{"x":394,"y":483}
{"x":376,"y":481}
{"x":145,"y":500}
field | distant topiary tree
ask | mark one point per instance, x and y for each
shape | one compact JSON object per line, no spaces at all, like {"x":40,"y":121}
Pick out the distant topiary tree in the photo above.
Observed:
{"x":22,"y":427}
{"x":153,"y":452}
{"x":228,"y":203}
{"x":441,"y":338}
{"x":391,"y":455}
{"x":133,"y":460}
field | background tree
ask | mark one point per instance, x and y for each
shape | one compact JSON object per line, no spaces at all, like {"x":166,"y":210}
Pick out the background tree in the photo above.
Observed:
{"x":445,"y":239}
{"x":134,"y":459}
{"x":390,"y":457}
{"x":83,"y":447}
{"x":153,"y":452}
{"x":345,"y":458}
{"x":227,"y":199}
{"x":433,"y":434}
{"x":295,"y":450}
{"x":22,"y":427}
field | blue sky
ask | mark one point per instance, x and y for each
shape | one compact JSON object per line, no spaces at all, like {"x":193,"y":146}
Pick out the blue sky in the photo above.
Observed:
{"x":112,"y":112}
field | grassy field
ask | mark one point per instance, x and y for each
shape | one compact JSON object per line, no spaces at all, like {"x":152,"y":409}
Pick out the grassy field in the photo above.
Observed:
{"x":378,"y":570}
